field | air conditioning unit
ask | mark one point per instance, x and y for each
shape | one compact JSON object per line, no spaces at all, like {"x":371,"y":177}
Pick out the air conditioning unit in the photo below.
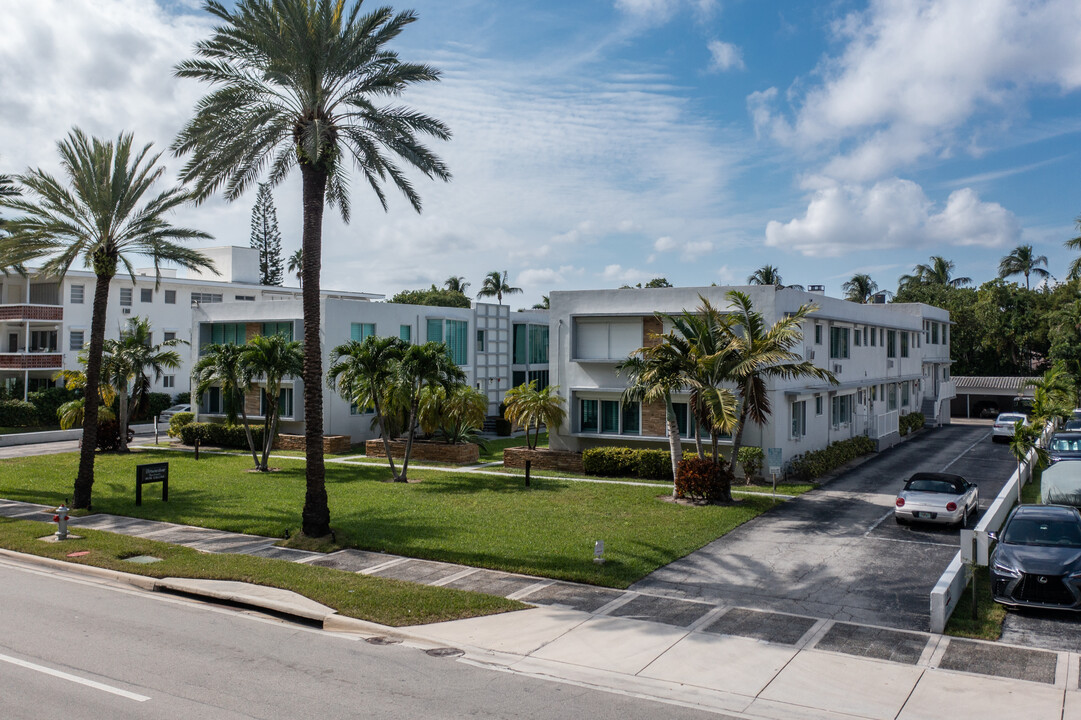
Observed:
{"x":126,"y":311}
{"x":837,"y":367}
{"x":812,"y":355}
{"x":889,"y":363}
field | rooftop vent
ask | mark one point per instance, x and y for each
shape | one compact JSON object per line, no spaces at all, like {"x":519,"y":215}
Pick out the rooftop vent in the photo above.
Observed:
{"x":817,"y":289}
{"x":879,"y":298}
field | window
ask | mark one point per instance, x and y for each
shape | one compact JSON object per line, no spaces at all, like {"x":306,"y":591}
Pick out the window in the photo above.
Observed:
{"x":681,"y":418}
{"x":818,"y":404}
{"x":458,"y":341}
{"x":865,"y":337}
{"x":874,"y":337}
{"x":818,"y":334}
{"x":891,"y":397}
{"x":538,"y":344}
{"x":245,"y":298}
{"x":125,"y":297}
{"x":540,"y":376}
{"x":799,"y":419}
{"x":405,"y":332}
{"x":874,"y":393}
{"x":856,"y":337}
{"x":904,"y":394}
{"x":842,"y":410}
{"x":588,"y":422}
{"x":517,"y":377}
{"x":435,"y":330}
{"x":904,"y":344}
{"x":222,"y":334}
{"x":359,"y":331}
{"x":278,"y":328}
{"x":480,"y":341}
{"x":168,"y":381}
{"x":934,"y":333}
{"x":945,"y":334}
{"x":77,"y":294}
{"x":205,"y":298}
{"x":891,"y":343}
{"x":521,"y":344}
{"x":927,"y":332}
{"x":76,"y":340}
{"x":167,"y":335}
{"x":838,"y":342}
{"x":43,"y":341}
{"x":146,"y":295}
{"x":170,"y":297}
{"x":632,"y":424}
{"x":946,"y":373}
{"x":211,"y":403}
{"x":610,"y":416}
{"x":285,"y":403}
{"x":605,"y":340}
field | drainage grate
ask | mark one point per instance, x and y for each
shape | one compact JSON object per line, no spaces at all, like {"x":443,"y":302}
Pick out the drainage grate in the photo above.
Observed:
{"x":445,"y":652}
{"x":382,"y":640}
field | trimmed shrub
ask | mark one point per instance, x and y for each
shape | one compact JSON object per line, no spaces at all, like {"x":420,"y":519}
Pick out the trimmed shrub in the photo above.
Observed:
{"x":610,"y":462}
{"x":817,"y":463}
{"x":911,"y":422}
{"x":19,"y":413}
{"x":183,"y":398}
{"x":503,"y":427}
{"x":655,"y":465}
{"x":750,"y":459}
{"x":109,"y":435}
{"x":156,"y":403}
{"x":48,"y":401}
{"x":220,"y":434}
{"x":178,"y":421}
{"x":702,"y":480}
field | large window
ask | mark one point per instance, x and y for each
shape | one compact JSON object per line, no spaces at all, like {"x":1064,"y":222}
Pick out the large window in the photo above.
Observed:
{"x":934,"y":333}
{"x":610,"y":417}
{"x":530,"y":344}
{"x":904,"y":344}
{"x":521,"y":344}
{"x":588,"y":420}
{"x":359,"y":331}
{"x":842,"y":410}
{"x":435,"y":330}
{"x":211,"y":401}
{"x":799,"y":419}
{"x":285,"y":403}
{"x":458,"y":341}
{"x":838,"y":342}
{"x":632,"y":423}
{"x":221,"y":334}
{"x":278,"y":328}
{"x":891,"y":343}
{"x":205,"y":298}
{"x":606,"y":340}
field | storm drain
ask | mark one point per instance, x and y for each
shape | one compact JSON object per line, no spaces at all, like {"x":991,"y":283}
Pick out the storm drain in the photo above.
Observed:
{"x":445,"y":652}
{"x":382,"y":640}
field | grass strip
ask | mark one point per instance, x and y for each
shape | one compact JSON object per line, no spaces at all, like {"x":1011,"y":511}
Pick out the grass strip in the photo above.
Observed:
{"x":987,"y":625}
{"x":379,"y":600}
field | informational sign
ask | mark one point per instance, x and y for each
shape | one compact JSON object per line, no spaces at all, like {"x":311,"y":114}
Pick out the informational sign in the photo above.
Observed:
{"x":773,"y":460}
{"x":151,"y":473}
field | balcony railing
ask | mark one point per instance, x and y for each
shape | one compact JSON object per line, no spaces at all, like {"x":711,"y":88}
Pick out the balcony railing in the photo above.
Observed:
{"x":31,"y":361}
{"x":884,"y":424}
{"x":947,"y":390}
{"x":31,"y":312}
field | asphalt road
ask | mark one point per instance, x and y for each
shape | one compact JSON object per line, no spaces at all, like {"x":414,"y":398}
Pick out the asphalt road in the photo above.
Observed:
{"x":83,"y":650}
{"x":837,"y":553}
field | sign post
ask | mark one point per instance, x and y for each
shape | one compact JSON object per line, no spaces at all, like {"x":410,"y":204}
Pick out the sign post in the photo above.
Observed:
{"x":774,"y":456}
{"x":151,"y":473}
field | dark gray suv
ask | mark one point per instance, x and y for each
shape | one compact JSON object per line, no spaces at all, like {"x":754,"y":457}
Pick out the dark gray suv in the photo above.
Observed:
{"x":1037,"y":561}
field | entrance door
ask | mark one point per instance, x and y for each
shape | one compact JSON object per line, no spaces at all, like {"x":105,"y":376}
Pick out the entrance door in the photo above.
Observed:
{"x":13,"y":342}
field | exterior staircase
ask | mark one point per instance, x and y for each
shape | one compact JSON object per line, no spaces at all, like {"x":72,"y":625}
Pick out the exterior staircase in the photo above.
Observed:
{"x":928,"y":410}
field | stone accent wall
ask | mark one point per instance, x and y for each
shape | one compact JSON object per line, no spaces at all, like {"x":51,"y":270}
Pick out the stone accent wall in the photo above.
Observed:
{"x":251,"y":330}
{"x":652,"y":328}
{"x":653,"y":419}
{"x":565,"y":460}
{"x":460,"y":454}
{"x":331,"y":443}
{"x":251,"y":403}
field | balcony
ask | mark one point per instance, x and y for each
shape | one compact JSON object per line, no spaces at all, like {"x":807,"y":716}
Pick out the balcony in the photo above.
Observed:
{"x":31,"y":361}
{"x":947,"y":390}
{"x":31,"y":312}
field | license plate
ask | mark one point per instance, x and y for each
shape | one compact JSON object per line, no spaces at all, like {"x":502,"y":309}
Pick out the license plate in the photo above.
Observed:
{"x":925,"y":515}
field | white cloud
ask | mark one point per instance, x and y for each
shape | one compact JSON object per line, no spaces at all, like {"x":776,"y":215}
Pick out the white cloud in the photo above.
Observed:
{"x":913,"y":74}
{"x":687,"y":250}
{"x":724,"y":56}
{"x":892,"y":213}
{"x":665,"y":244}
{"x":546,"y":277}
{"x":620,"y":274}
{"x":661,"y":10}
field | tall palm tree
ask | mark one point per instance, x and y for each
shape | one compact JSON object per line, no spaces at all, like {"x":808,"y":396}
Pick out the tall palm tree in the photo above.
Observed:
{"x":1075,"y":244}
{"x":222,"y":366}
{"x":758,"y":353}
{"x":496,"y":285}
{"x":938,"y":272}
{"x":529,"y":407}
{"x":653,"y":376}
{"x":769,"y":275}
{"x":456,"y":283}
{"x":300,"y":83}
{"x":361,"y":372}
{"x":1022,"y":260}
{"x":268,"y":360}
{"x":296,"y":265}
{"x":103,"y":217}
{"x":860,"y":288}
{"x":424,"y":366}
{"x":544,"y":304}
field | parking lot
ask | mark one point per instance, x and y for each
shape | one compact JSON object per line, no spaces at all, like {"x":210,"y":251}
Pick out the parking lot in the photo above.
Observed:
{"x":837,"y":553}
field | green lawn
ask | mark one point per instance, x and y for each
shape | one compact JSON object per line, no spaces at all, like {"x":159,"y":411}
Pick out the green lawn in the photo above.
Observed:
{"x":481,"y":520}
{"x":494,"y":453}
{"x":381,"y":600}
{"x":987,"y":624}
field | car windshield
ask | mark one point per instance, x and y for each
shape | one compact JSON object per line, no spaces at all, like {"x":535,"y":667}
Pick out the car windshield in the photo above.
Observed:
{"x":178,"y":408}
{"x":1011,"y":418}
{"x":1033,"y":531}
{"x":935,"y":486}
{"x":1064,"y":444}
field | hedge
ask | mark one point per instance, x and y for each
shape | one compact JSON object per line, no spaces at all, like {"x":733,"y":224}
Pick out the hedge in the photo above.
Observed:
{"x":702,"y":479}
{"x":48,"y":401}
{"x":910,"y":422}
{"x":220,"y":434}
{"x":628,"y":462}
{"x":178,"y":421}
{"x":817,"y":463}
{"x":19,"y":413}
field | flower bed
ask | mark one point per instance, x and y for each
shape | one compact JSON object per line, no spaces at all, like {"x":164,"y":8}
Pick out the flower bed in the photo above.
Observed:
{"x":459,"y":454}
{"x":565,"y":460}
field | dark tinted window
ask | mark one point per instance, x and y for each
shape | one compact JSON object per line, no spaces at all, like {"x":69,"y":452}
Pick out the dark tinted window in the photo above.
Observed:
{"x":937,"y":486}
{"x":1042,"y":531}
{"x":1065,"y":444}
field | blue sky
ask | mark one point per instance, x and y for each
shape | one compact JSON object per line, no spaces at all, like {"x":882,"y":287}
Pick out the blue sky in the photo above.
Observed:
{"x":599,"y":142}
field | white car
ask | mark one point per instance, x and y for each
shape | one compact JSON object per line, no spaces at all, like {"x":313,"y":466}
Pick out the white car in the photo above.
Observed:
{"x":166,"y":415}
{"x":1004,"y":425}
{"x":937,"y":498}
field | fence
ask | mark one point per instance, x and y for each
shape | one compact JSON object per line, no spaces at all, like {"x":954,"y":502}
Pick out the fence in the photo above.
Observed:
{"x":884,"y":424}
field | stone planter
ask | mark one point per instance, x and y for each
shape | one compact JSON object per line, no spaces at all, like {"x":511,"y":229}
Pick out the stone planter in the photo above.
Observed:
{"x":460,"y":454}
{"x":331,"y":443}
{"x":565,"y":460}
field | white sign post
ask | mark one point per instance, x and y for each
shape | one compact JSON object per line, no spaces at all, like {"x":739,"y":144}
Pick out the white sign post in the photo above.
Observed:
{"x":773,"y":456}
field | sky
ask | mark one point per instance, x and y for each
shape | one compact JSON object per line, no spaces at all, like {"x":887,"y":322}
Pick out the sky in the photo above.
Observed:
{"x":598,"y":143}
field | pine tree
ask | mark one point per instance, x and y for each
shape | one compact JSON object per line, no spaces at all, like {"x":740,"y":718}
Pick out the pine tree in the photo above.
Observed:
{"x":266,"y":238}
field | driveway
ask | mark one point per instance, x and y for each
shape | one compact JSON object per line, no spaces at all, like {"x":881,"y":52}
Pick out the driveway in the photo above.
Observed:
{"x":836,"y":553}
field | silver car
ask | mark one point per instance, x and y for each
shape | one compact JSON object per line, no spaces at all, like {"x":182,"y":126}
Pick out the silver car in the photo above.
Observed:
{"x":1004,"y":425}
{"x":937,"y":498}
{"x":166,"y":415}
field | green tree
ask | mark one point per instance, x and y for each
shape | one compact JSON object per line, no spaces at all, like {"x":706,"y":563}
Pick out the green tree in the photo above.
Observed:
{"x":296,"y":265}
{"x":1025,"y":440}
{"x":1074,"y":272}
{"x":860,"y":288}
{"x":222,"y":365}
{"x":456,"y":284}
{"x":544,"y":304}
{"x":424,"y":366}
{"x":362,"y":372}
{"x":1054,"y":394}
{"x":103,"y":217}
{"x":8,"y":189}
{"x":70,"y":413}
{"x":267,"y":360}
{"x":528,"y":407}
{"x":454,"y":413}
{"x":300,"y":83}
{"x":1022,"y":260}
{"x":939,"y":272}
{"x":266,"y":238}
{"x":496,"y":285}
{"x":434,"y":297}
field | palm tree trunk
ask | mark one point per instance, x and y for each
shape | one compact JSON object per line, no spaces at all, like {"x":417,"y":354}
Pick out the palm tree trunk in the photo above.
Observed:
{"x":675,"y":447}
{"x":247,"y":433}
{"x":122,"y":407}
{"x":315,"y":518}
{"x":268,"y":438}
{"x":737,"y":438}
{"x":410,"y":431}
{"x":383,"y":435}
{"x":84,"y":481}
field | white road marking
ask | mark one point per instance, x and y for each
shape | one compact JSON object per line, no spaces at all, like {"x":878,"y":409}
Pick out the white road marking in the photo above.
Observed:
{"x":951,"y":462}
{"x":878,"y":522}
{"x":74,"y":678}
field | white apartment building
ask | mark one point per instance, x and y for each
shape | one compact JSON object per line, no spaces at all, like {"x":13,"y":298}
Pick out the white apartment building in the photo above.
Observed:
{"x":889,"y":360}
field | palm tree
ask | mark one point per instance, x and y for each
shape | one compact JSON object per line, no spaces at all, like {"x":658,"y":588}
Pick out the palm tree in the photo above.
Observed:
{"x":939,"y":273}
{"x":654,"y":375}
{"x":103,"y":218}
{"x":299,"y":83}
{"x":71,"y":413}
{"x":456,"y":283}
{"x":7,"y":189}
{"x":1075,"y":244}
{"x":1054,"y":394}
{"x":361,"y":372}
{"x":1023,"y":261}
{"x":454,"y":413}
{"x":544,"y":304}
{"x":496,"y":285}
{"x":527,"y":407}
{"x":860,"y":289}
{"x":296,"y":265}
{"x":759,"y":352}
{"x":424,"y":366}
{"x":269,"y":360}
{"x":223,"y":366}
{"x":769,"y":275}
{"x":1023,"y":441}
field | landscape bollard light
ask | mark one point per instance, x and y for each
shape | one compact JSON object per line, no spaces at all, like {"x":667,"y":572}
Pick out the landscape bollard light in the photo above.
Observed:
{"x":528,"y":463}
{"x":598,"y":552}
{"x":196,"y":448}
{"x":61,"y":519}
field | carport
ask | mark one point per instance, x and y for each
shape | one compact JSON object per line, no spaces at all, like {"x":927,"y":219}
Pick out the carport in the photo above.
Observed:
{"x":977,"y":395}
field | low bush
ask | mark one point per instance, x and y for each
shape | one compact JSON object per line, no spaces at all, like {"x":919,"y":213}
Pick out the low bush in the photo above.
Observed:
{"x":750,"y":459}
{"x":817,"y":463}
{"x":610,"y":462}
{"x":910,"y":422}
{"x":220,"y":434}
{"x":48,"y":401}
{"x":702,"y":479}
{"x":655,"y":464}
{"x":156,"y":403}
{"x":19,"y":413}
{"x":183,"y":398}
{"x":178,"y":421}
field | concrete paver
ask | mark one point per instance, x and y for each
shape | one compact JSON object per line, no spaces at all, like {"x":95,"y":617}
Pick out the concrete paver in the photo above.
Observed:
{"x":612,"y":644}
{"x":732,"y":664}
{"x":759,"y":625}
{"x":661,"y":609}
{"x":1001,"y":661}
{"x":880,"y":643}
{"x":969,"y":697}
{"x":577,"y":597}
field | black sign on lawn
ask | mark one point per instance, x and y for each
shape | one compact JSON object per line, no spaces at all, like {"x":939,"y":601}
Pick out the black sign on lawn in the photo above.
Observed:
{"x":151,"y":473}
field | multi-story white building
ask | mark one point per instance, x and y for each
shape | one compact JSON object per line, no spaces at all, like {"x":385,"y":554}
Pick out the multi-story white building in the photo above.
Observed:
{"x":889,"y":360}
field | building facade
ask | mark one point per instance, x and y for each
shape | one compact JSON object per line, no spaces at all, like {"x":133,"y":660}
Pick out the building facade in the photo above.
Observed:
{"x":889,"y":360}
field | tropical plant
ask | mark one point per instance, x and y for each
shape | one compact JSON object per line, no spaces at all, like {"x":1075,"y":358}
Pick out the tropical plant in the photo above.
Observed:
{"x":1022,"y":260}
{"x":267,"y":360}
{"x":296,"y":265}
{"x":299,"y":83}
{"x":424,"y":366}
{"x":7,"y":189}
{"x":103,"y":217}
{"x":528,"y":407}
{"x":71,"y":413}
{"x":454,"y":413}
{"x":544,"y":304}
{"x":456,"y":283}
{"x":1075,"y":244}
{"x":362,"y":372}
{"x":436,"y":297}
{"x":939,"y":273}
{"x":496,"y":285}
{"x":1025,"y":440}
{"x":769,"y":275}
{"x":1053,"y":395}
{"x":653,"y":377}
{"x":860,"y":288}
{"x":266,"y":237}
{"x":222,"y":365}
